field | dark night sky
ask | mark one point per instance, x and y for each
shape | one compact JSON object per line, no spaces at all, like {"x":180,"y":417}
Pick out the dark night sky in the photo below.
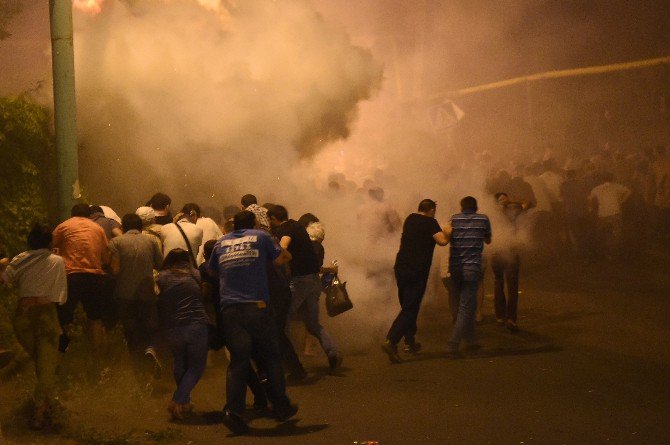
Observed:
{"x":466,"y":42}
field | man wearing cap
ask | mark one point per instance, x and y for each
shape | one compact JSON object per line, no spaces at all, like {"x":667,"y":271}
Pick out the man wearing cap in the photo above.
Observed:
{"x":149,"y":226}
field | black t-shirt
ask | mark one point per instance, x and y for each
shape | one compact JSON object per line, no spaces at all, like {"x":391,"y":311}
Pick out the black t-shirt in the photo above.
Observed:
{"x":320,"y":252}
{"x":305,"y":260}
{"x":417,"y":244}
{"x":164,"y":219}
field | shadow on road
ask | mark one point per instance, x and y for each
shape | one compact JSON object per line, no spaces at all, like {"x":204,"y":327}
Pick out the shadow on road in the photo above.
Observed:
{"x":290,"y":428}
{"x":497,"y":342}
{"x":285,"y":429}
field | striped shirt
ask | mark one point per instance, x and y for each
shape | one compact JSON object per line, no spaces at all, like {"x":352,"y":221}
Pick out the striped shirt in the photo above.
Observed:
{"x":469,"y":230}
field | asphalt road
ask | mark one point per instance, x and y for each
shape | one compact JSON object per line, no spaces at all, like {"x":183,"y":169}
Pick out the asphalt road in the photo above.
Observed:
{"x":590,"y":366}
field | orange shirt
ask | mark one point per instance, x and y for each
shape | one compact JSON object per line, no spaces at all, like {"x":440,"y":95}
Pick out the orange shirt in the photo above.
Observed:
{"x":82,"y":244}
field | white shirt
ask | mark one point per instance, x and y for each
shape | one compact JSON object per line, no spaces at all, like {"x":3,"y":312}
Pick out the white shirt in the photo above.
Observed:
{"x":553,"y":181}
{"x":210,"y":230}
{"x":610,"y":196}
{"x":542,"y":194}
{"x":173,"y":239}
{"x":38,"y":273}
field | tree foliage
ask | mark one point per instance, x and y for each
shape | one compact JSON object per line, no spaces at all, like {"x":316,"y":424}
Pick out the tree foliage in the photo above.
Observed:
{"x":27,"y":169}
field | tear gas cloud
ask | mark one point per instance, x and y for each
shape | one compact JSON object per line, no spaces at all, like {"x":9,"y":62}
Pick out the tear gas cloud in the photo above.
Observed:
{"x":309,"y":104}
{"x":210,"y":100}
{"x":202,"y":92}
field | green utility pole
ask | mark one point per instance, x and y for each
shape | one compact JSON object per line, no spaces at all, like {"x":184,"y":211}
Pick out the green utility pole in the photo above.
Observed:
{"x":65,"y":112}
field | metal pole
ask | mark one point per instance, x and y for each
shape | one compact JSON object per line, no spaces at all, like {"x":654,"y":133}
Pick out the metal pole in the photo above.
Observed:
{"x":65,"y":112}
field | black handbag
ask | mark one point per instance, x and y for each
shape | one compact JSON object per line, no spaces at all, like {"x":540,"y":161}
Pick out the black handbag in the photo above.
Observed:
{"x":337,"y":298}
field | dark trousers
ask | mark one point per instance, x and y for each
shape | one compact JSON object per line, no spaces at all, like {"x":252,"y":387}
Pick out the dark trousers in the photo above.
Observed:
{"x":505,"y":270}
{"x":248,"y":328}
{"x":140,"y":325}
{"x":93,"y":293}
{"x":411,"y":287}
{"x":280,"y":302}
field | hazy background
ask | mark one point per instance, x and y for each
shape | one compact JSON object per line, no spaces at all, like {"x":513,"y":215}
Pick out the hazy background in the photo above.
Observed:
{"x":207,"y":100}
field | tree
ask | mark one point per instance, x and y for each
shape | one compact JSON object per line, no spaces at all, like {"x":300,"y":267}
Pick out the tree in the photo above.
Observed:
{"x":27,"y":170}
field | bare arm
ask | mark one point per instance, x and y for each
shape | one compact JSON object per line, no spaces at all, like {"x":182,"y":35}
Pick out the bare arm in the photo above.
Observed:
{"x":441,"y":238}
{"x":448,"y":230}
{"x":115,"y":263}
{"x":285,"y":241}
{"x":116,"y":232}
{"x":283,"y":258}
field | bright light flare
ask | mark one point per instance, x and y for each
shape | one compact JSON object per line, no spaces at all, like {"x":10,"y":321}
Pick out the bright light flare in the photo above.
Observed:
{"x":92,"y":7}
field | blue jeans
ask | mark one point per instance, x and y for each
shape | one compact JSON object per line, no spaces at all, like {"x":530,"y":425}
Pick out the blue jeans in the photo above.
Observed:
{"x":411,"y":287}
{"x":248,"y":328}
{"x":189,"y":348}
{"x":466,"y":283}
{"x":306,"y":290}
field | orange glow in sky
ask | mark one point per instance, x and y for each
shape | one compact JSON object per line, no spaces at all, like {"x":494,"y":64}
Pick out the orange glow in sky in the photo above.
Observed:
{"x":92,"y":7}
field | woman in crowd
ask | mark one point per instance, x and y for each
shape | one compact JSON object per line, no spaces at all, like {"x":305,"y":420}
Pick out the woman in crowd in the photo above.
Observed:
{"x":40,"y":278}
{"x":186,"y":326}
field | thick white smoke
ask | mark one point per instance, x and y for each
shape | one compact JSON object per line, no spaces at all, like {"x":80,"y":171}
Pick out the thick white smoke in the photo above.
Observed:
{"x":208,"y":100}
{"x":214,"y":93}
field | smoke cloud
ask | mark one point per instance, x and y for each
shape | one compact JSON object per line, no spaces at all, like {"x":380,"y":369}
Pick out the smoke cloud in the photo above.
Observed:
{"x":311,"y":103}
{"x":212,"y":97}
{"x":210,"y":100}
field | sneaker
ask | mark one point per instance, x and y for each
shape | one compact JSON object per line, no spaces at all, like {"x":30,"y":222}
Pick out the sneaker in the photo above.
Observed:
{"x":512,"y":327}
{"x":412,"y":348}
{"x":260,"y":407}
{"x":284,"y":414}
{"x":235,"y":423}
{"x":453,"y":353}
{"x":152,"y":358}
{"x":392,"y":351}
{"x":334,"y":361}
{"x":175,"y":410}
{"x":472,"y":347}
{"x":63,"y":343}
{"x":39,"y":419}
{"x":187,"y":408}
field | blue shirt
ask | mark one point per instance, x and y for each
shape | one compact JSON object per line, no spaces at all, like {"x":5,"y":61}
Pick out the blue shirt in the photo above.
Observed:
{"x":240,"y":260}
{"x":469,"y":230}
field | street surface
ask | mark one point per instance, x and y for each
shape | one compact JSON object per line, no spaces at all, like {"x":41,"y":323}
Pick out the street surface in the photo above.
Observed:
{"x":590,"y":366}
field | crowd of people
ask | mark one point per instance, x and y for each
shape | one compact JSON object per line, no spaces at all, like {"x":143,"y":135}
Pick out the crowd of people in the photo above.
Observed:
{"x":592,"y":203}
{"x":188,"y":282}
{"x":182,"y":281}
